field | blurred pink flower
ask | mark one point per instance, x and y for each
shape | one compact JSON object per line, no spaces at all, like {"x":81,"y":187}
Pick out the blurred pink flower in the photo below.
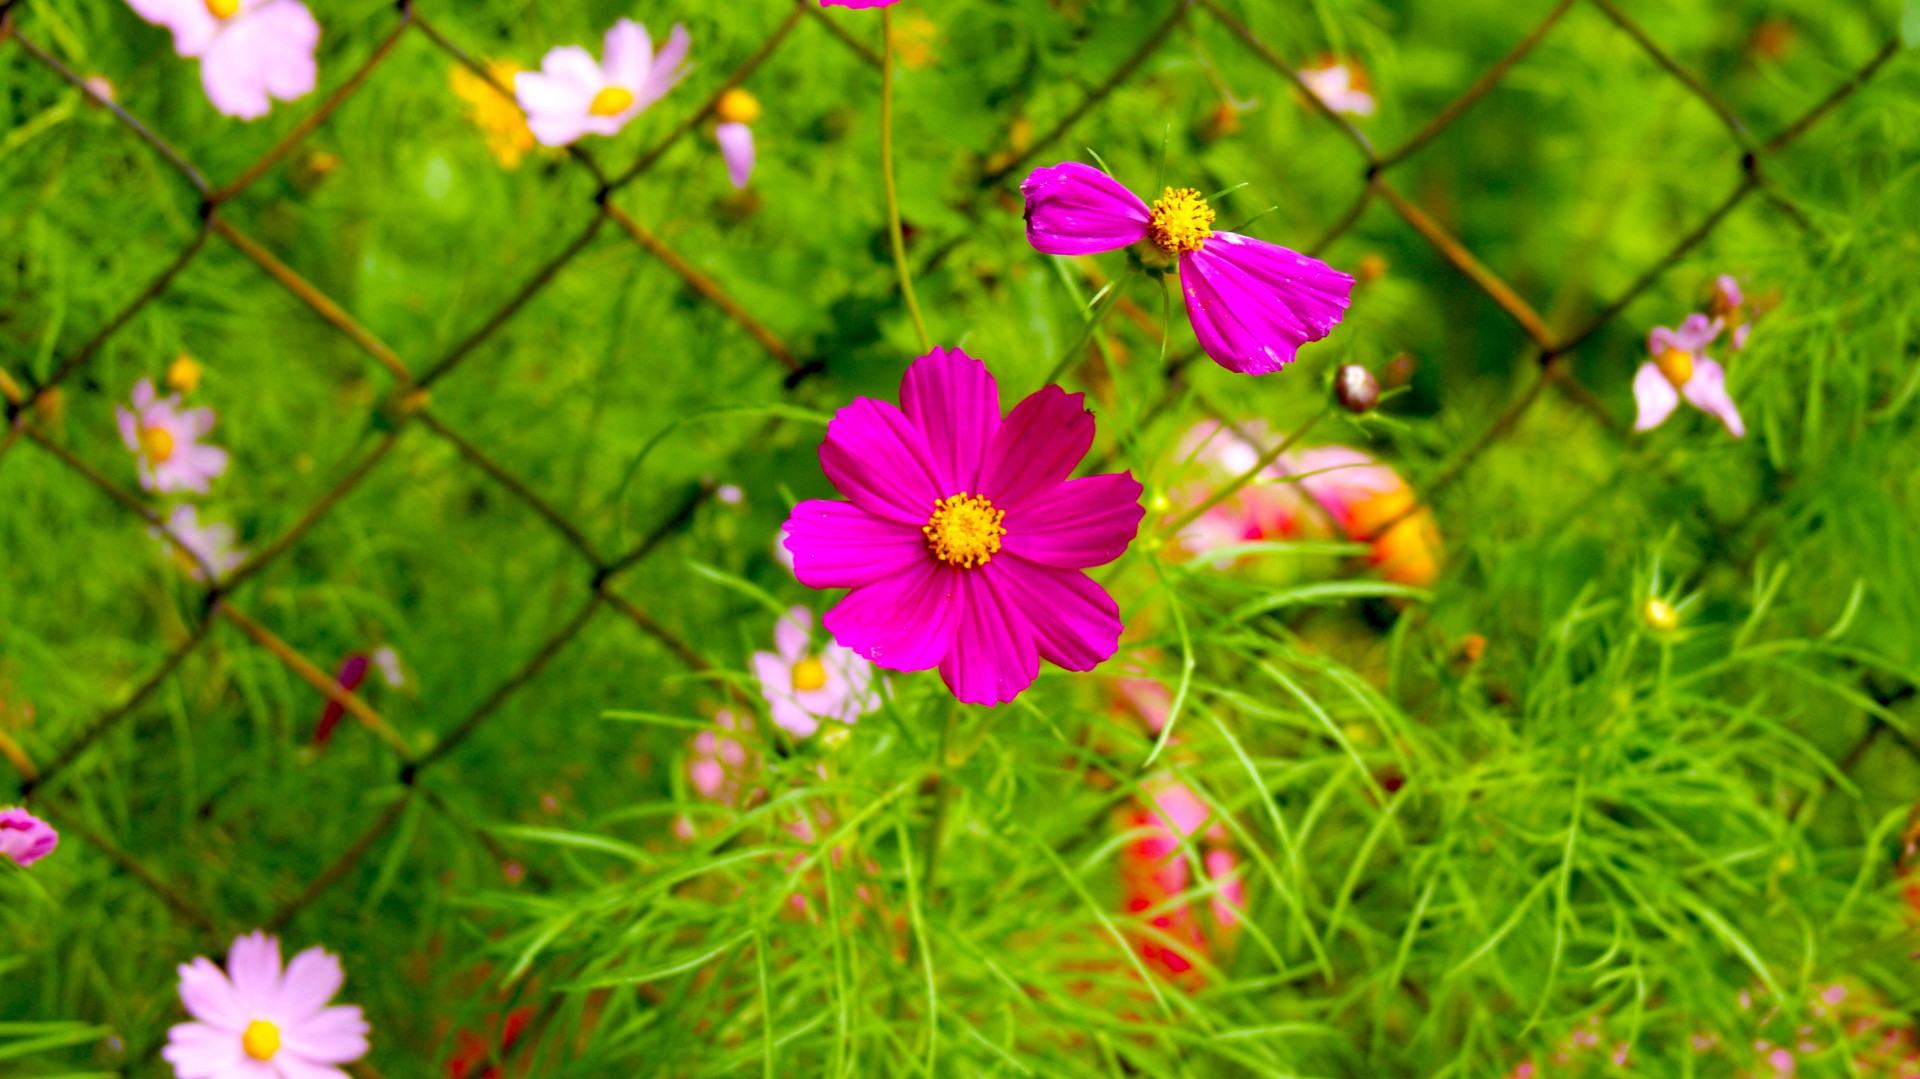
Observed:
{"x":1343,"y":86}
{"x":736,"y":146}
{"x":211,"y":544}
{"x":1730,"y":305}
{"x":717,"y":762}
{"x":249,"y":50}
{"x":165,"y":440}
{"x":802,"y":687}
{"x":255,"y":1022}
{"x":25,"y":838}
{"x":1154,"y":872}
{"x":1680,"y":368}
{"x":571,"y":95}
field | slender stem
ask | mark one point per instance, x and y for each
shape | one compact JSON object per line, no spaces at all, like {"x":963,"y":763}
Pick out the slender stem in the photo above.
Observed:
{"x":893,"y":193}
{"x":1098,"y":314}
{"x":942,"y":796}
{"x":1251,"y":474}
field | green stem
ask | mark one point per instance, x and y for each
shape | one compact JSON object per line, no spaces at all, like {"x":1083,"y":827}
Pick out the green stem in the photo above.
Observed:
{"x":1246,"y":477}
{"x":893,"y":193}
{"x":1094,"y":318}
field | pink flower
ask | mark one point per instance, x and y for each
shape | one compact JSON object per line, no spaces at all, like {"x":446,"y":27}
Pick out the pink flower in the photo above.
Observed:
{"x":249,"y":50}
{"x":1154,"y":871}
{"x":571,"y":96}
{"x":1729,"y":305}
{"x":1342,"y":87}
{"x":210,"y":544}
{"x":1252,"y":303}
{"x":166,"y":440}
{"x":962,"y":538}
{"x":25,"y":838}
{"x":717,"y":762}
{"x":802,"y":688}
{"x":254,"y":1022}
{"x":1680,"y":367}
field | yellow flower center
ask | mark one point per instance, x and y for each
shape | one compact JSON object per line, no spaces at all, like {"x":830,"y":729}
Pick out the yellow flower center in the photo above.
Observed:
{"x":611,"y":101}
{"x":736,"y":106}
{"x":224,"y":9}
{"x":158,"y":443}
{"x":1660,"y":615}
{"x":809,"y":674}
{"x":965,"y":530}
{"x":1182,"y":221}
{"x":261,"y":1040}
{"x":183,"y":373}
{"x":1676,"y":364}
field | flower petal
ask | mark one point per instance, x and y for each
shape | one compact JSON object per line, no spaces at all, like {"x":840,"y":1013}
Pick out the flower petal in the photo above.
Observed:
{"x":267,"y":51}
{"x":1075,"y":624}
{"x":840,"y":545}
{"x":209,"y":996}
{"x":1253,"y":304}
{"x":876,"y":457}
{"x":1707,"y":391}
{"x":1037,"y":447}
{"x":1654,"y":396}
{"x":904,"y":622}
{"x":333,"y":1035}
{"x":292,"y":1066}
{"x":790,"y":634}
{"x":201,"y":1051}
{"x":1081,"y":523}
{"x":627,"y":54}
{"x":736,"y":148}
{"x":1696,"y":332}
{"x":253,"y":965}
{"x":993,"y":657}
{"x":953,"y":400}
{"x":192,"y":24}
{"x":669,"y":67}
{"x":1075,"y":209}
{"x":312,"y":978}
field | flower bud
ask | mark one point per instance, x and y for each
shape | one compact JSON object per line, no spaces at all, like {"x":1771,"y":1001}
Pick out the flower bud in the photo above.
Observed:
{"x":1660,"y":615}
{"x":1355,"y":388}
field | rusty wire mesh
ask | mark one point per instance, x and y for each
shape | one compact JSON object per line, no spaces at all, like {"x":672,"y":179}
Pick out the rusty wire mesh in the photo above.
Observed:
{"x":408,"y":402}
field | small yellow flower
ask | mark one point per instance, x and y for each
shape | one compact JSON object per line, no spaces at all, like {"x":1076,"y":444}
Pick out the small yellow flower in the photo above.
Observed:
{"x":736,"y":106}
{"x":496,"y":114}
{"x":1660,"y":615}
{"x":913,"y":38}
{"x":183,"y":374}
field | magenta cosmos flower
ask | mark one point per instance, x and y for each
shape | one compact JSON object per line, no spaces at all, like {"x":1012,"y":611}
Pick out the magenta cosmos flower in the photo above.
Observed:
{"x":255,"y":1022}
{"x":571,"y":96}
{"x":1252,"y":303}
{"x":25,"y":838}
{"x":962,"y":538}
{"x":1680,"y":368}
{"x":249,"y":50}
{"x":166,"y":440}
{"x":803,"y":687}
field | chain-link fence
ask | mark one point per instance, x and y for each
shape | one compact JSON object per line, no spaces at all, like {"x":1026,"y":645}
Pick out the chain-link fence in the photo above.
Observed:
{"x":408,"y":403}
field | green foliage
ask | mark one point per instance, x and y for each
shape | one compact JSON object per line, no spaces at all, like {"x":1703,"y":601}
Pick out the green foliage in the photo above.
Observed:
{"x":1451,"y":865}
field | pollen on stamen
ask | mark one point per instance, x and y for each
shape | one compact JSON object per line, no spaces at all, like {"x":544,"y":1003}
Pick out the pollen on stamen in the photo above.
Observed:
{"x":158,"y":442}
{"x":611,"y":101}
{"x":261,"y":1040}
{"x":965,"y":530}
{"x":1181,"y":221}
{"x":1676,"y":364}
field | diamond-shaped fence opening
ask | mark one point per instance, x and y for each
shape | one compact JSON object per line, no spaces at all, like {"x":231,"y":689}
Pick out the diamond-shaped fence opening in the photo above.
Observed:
{"x":430,"y":424}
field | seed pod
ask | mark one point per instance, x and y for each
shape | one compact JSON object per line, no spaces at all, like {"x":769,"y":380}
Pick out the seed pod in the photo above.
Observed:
{"x":1355,"y":388}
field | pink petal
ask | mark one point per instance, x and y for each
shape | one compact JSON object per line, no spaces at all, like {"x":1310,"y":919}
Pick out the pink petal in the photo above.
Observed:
{"x":1707,"y":391}
{"x":129,"y":428}
{"x":669,"y":67}
{"x":1036,"y":448}
{"x":334,"y":1035}
{"x":192,"y":24}
{"x":574,"y":68}
{"x":200,"y":1051}
{"x":1696,"y":332}
{"x":253,"y":965}
{"x":1178,"y":807}
{"x":790,"y":634}
{"x":143,"y":395}
{"x":209,"y":996}
{"x":993,"y":657}
{"x":708,"y":777}
{"x":290,"y":1066}
{"x":953,"y":400}
{"x":789,"y":716}
{"x":266,"y":51}
{"x":312,"y":978}
{"x":627,"y":54}
{"x":840,"y":545}
{"x":1074,"y":623}
{"x":736,"y":147}
{"x":1230,"y":896}
{"x":1253,"y":304}
{"x":905,"y":622}
{"x":1075,"y":209}
{"x":876,"y":457}
{"x":1654,"y":396}
{"x":540,"y":93}
{"x":1740,"y":335}
{"x":1081,"y":523}
{"x":1726,"y":289}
